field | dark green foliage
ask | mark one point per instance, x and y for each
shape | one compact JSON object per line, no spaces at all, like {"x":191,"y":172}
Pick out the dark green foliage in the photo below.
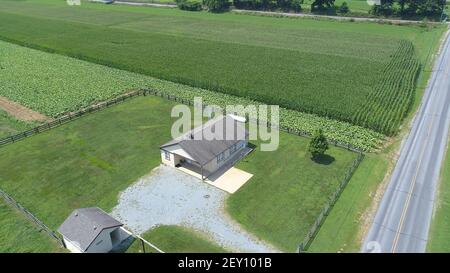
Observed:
{"x":318,"y":145}
{"x":217,"y":5}
{"x":285,"y":5}
{"x":409,"y":8}
{"x":343,"y":8}
{"x":191,"y":5}
{"x":297,"y":5}
{"x":322,"y":4}
{"x":385,"y":9}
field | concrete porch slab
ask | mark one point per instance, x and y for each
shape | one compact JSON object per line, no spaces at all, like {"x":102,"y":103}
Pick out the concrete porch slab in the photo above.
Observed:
{"x":230,"y":180}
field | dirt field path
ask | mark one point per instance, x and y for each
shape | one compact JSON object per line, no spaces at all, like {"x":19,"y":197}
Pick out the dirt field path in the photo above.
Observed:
{"x":20,"y":112}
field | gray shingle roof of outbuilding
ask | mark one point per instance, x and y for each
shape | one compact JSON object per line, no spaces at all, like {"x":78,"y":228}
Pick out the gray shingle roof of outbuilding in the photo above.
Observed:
{"x":84,"y":225}
{"x":203,"y":149}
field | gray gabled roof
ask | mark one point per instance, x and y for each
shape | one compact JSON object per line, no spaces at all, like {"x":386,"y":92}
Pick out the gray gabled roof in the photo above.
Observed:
{"x":206,"y":142}
{"x":84,"y":225}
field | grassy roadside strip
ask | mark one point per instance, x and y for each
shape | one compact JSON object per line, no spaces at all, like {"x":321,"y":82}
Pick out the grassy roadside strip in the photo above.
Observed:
{"x":344,"y":228}
{"x":339,"y":232}
{"x":439,"y":237}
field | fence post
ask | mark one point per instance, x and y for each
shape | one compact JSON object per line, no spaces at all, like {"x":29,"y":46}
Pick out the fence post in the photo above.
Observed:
{"x":143,"y":245}
{"x":300,"y":248}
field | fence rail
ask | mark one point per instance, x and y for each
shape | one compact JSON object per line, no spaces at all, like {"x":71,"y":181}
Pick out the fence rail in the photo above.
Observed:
{"x":304,"y":245}
{"x":146,"y":91}
{"x":143,"y":92}
{"x":69,"y":117}
{"x":31,"y":217}
{"x":145,"y":242}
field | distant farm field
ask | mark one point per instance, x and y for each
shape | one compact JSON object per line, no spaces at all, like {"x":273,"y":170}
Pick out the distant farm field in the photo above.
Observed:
{"x":53,"y":84}
{"x":352,"y":72}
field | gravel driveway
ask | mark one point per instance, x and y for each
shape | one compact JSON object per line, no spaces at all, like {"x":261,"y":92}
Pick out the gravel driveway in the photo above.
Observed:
{"x":170,"y":197}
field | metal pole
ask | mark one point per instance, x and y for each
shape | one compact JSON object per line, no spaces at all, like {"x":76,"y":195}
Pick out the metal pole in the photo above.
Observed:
{"x":143,"y":245}
{"x":201,"y":167}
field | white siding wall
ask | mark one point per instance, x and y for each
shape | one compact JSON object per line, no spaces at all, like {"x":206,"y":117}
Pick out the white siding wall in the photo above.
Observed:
{"x":73,"y":247}
{"x":176,"y":153}
{"x":102,"y":244}
{"x":213,"y":165}
{"x":170,"y":162}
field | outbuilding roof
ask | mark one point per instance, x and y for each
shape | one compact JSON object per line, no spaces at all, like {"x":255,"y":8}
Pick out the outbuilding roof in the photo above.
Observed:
{"x":84,"y":225}
{"x":206,"y":142}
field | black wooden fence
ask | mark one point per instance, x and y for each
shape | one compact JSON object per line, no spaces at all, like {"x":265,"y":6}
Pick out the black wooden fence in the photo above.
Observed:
{"x":143,"y":92}
{"x":31,"y":217}
{"x":69,"y":117}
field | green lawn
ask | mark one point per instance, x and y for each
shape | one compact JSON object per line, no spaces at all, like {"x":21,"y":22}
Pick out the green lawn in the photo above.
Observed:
{"x":439,"y":237}
{"x":288,"y":190}
{"x":341,"y":231}
{"x":10,"y":126}
{"x":86,"y":162}
{"x":249,"y":56}
{"x":19,"y":235}
{"x":176,"y":239}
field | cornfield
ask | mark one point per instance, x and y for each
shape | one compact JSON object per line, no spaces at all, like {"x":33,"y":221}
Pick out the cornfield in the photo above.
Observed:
{"x":392,"y":97}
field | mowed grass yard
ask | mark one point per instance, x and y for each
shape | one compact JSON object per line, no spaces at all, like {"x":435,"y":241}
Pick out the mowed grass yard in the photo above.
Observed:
{"x":176,"y":239}
{"x":288,"y":190}
{"x":87,"y":162}
{"x":18,"y":234}
{"x":248,"y":56}
{"x":10,"y":126}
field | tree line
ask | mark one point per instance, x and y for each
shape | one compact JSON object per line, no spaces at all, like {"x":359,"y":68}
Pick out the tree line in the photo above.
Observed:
{"x":402,"y":8}
{"x":409,"y":8}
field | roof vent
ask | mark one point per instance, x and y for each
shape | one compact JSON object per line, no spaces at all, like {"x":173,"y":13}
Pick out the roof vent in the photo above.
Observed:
{"x":95,"y":227}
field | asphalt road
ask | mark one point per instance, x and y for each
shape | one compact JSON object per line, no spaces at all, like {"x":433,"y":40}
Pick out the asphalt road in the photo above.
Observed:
{"x":403,"y":218}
